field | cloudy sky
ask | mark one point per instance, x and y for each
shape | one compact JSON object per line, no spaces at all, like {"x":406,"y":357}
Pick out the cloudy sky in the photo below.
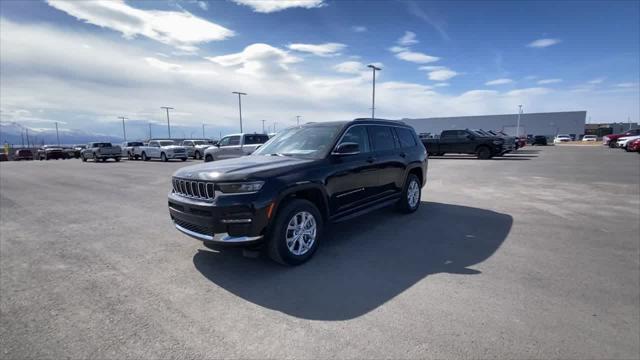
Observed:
{"x":84,"y":63}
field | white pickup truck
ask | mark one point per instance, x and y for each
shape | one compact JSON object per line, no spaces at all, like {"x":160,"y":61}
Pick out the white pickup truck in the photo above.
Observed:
{"x":161,"y":149}
{"x":235,"y":145}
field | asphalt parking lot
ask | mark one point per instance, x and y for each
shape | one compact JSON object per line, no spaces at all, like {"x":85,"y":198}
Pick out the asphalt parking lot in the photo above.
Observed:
{"x":534,"y":255}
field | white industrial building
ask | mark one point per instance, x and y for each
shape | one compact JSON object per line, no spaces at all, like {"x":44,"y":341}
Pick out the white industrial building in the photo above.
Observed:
{"x":548,"y":124}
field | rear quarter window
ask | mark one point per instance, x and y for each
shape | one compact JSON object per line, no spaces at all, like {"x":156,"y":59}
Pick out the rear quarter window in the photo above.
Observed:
{"x":406,"y":138}
{"x":255,"y":139}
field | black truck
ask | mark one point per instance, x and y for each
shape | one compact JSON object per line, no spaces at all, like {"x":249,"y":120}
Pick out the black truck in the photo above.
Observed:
{"x":466,"y":142}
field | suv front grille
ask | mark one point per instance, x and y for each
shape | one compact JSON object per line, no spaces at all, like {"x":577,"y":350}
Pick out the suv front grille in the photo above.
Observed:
{"x":193,"y":227}
{"x":193,"y":189}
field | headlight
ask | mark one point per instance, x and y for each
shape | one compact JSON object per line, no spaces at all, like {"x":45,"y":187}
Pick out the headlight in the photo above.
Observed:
{"x":243,"y":187}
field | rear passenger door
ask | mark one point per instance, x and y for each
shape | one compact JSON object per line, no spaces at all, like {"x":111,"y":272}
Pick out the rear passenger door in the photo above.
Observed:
{"x":389,"y":164}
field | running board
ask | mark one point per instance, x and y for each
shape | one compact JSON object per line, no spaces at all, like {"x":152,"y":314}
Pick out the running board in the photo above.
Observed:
{"x":366,"y":210}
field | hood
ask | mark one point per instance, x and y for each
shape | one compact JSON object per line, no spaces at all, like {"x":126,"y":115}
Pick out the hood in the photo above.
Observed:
{"x":202,"y":146}
{"x":173,"y":147}
{"x":242,"y":168}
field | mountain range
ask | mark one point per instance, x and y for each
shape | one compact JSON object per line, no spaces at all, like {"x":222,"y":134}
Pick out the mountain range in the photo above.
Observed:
{"x":14,"y":133}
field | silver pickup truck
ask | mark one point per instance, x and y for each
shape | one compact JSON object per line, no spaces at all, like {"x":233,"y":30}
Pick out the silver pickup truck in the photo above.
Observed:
{"x":129,"y":149}
{"x":196,"y":147}
{"x":101,"y":151}
{"x":161,"y":149}
{"x":235,"y":145}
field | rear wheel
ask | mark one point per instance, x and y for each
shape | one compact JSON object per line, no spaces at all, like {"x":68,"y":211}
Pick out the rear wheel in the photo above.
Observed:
{"x":296,"y":233}
{"x":184,"y":159}
{"x":117,"y":159}
{"x":410,"y":199}
{"x":483,"y":153}
{"x":144,"y":157}
{"x":163,"y":157}
{"x":84,"y":159}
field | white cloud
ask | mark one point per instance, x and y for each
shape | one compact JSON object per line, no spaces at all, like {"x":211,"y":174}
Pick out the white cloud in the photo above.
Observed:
{"x":627,"y":85}
{"x":397,"y":49}
{"x":269,"y":6}
{"x":442,"y":75}
{"x":257,"y":59}
{"x":431,"y":67}
{"x":416,"y":57}
{"x":325,"y":50}
{"x":599,"y":80}
{"x":534,"y":91}
{"x":409,"y":38}
{"x":162,"y":65}
{"x":350,"y":67}
{"x":498,"y":82}
{"x":203,"y":5}
{"x":443,"y":84}
{"x":180,"y":29}
{"x":359,"y":28}
{"x":542,"y":43}
{"x":549,"y":81}
{"x":531,"y":77}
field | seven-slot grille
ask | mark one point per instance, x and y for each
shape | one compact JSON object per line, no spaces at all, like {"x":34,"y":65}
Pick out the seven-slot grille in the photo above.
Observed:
{"x":193,"y":189}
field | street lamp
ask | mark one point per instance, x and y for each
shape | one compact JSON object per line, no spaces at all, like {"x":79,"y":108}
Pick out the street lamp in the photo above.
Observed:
{"x":124,"y":130}
{"x":373,"y":96}
{"x":518,"y":125}
{"x":168,"y":124}
{"x":298,"y":119}
{"x":239,"y":105}
{"x":263,"y":126}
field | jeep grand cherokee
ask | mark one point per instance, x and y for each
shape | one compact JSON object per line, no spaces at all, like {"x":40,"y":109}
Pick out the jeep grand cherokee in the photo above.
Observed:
{"x":280,"y":197}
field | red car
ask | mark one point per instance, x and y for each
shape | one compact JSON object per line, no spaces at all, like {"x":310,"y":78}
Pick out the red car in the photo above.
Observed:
{"x":634,"y":145}
{"x":610,"y":140}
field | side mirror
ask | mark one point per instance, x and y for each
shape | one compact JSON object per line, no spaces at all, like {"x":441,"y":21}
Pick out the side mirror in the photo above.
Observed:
{"x":347,"y":148}
{"x":217,"y":145}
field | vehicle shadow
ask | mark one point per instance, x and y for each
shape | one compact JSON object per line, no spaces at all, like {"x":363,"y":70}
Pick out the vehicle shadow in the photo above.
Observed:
{"x":526,"y":151}
{"x":473,"y":157}
{"x":365,"y":262}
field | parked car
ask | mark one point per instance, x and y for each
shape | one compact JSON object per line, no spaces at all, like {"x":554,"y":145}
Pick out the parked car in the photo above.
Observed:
{"x":161,"y":149}
{"x":235,"y":145}
{"x":465,"y":142}
{"x":589,"y":138}
{"x":23,"y":154}
{"x":129,"y":149}
{"x":623,"y":141}
{"x":634,"y":145}
{"x":510,"y":142}
{"x":51,"y":152}
{"x":101,"y":151}
{"x":610,"y":140}
{"x":3,"y":157}
{"x":71,"y":152}
{"x":562,"y":138}
{"x":307,"y":176}
{"x":196,"y":148}
{"x":539,"y":140}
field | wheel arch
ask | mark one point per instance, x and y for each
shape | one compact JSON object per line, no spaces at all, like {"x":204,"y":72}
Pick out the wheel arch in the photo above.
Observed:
{"x":313,"y":193}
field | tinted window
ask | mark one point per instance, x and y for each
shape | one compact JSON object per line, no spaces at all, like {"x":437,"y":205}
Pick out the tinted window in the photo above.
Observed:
{"x":224,"y":141}
{"x":255,"y":139}
{"x":234,"y":140}
{"x":358,"y":135}
{"x":166,"y":142}
{"x":309,"y":141}
{"x":406,"y":138}
{"x":381,"y":138}
{"x":449,"y":134}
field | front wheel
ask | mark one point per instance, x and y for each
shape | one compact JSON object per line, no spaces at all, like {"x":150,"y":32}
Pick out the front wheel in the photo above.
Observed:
{"x":197,"y":155}
{"x":183,"y":159}
{"x":483,"y":153}
{"x":296,"y":233}
{"x":208,"y":158}
{"x":144,"y":157}
{"x":117,"y":159}
{"x":130,"y":156}
{"x":410,"y":199}
{"x":163,"y":157}
{"x":84,"y":159}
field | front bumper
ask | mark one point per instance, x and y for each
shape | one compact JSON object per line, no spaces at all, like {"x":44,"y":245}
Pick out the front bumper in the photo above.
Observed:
{"x":232,"y":220}
{"x":176,"y":155}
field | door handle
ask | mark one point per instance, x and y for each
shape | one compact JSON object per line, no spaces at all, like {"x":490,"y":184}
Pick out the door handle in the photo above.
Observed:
{"x":371,"y":159}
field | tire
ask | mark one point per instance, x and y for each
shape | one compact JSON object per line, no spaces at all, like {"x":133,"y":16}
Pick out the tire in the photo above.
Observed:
{"x":197,"y":155}
{"x":483,"y":153}
{"x":277,"y":248}
{"x":84,"y":159}
{"x":117,"y":159}
{"x":130,"y":156}
{"x":95,"y":158}
{"x":144,"y":156}
{"x":410,"y":201}
{"x":183,"y":159}
{"x":612,"y":144}
{"x":163,"y":157}
{"x":208,"y":158}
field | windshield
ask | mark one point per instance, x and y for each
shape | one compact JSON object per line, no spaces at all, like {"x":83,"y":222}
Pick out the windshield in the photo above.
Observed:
{"x":135,"y":144}
{"x":165,"y":142}
{"x":312,"y":142}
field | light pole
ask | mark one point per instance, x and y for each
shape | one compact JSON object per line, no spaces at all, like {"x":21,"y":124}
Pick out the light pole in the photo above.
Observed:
{"x":373,"y":96}
{"x":124,"y":130}
{"x":298,"y":119}
{"x":168,"y":124}
{"x":263,"y":126}
{"x":149,"y":130}
{"x":203,"y":131}
{"x":239,"y":105}
{"x":57,"y":135}
{"x":274,"y":126}
{"x":518,"y":122}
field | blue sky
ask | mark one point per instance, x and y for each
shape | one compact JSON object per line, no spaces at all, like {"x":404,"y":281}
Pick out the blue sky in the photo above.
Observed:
{"x":85,"y":63}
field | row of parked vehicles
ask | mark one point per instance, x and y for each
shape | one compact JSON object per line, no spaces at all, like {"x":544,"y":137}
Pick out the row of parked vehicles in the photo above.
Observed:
{"x":485,"y":144}
{"x":628,"y":140}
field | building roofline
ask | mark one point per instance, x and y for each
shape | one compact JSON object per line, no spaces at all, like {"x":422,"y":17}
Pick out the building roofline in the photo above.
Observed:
{"x":511,"y":114}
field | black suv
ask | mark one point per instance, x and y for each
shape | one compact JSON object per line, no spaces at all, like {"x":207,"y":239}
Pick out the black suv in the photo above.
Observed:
{"x":282,"y":195}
